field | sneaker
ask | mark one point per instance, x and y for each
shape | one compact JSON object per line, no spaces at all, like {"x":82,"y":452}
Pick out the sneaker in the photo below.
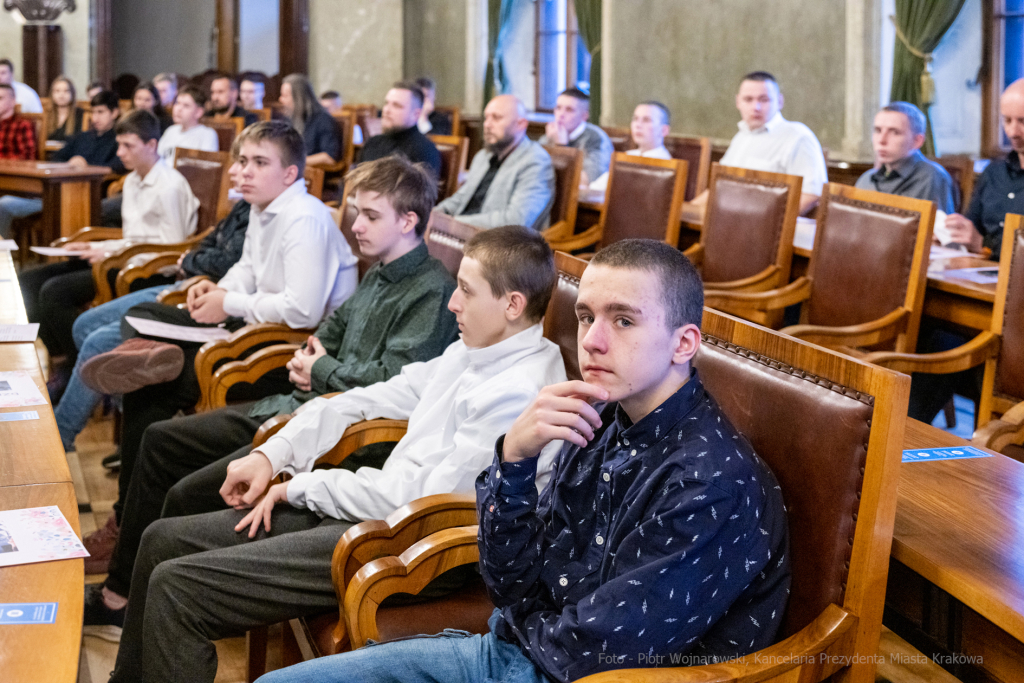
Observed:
{"x":99,"y":620}
{"x":135,"y":364}
{"x":113,"y":461}
{"x":100,"y":545}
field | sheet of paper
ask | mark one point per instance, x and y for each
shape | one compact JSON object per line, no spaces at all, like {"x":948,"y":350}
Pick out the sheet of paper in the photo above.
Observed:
{"x":956,"y":453}
{"x":8,"y":245}
{"x":37,"y":535}
{"x":938,"y":252}
{"x":17,"y":417}
{"x":988,"y":275}
{"x":19,"y":333}
{"x":53,"y":251}
{"x":28,"y":613}
{"x":803,"y":237}
{"x":17,"y":389}
{"x":200,"y":335}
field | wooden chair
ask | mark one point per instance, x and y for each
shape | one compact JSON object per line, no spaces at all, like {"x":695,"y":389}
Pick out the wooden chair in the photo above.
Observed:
{"x":831,"y":429}
{"x":446,"y":240}
{"x":622,"y":138}
{"x":314,"y":178}
{"x":696,"y":152}
{"x":453,"y":114}
{"x":226,"y":131}
{"x":568,"y":165}
{"x":644,"y":199}
{"x":961,"y":169}
{"x":865,"y":282}
{"x":264,"y":114}
{"x":746,"y":244}
{"x":38,"y":124}
{"x":454,"y":150}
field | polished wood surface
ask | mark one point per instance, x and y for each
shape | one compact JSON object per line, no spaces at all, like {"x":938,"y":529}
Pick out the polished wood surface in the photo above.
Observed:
{"x":71,"y":196}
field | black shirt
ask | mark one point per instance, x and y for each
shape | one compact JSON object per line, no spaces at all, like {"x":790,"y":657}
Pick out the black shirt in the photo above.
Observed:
{"x":222,"y":248}
{"x":322,"y":134}
{"x":409,"y":142}
{"x":247,"y":116}
{"x":999,"y":191}
{"x":59,"y":133}
{"x":98,"y":150}
{"x":476,"y":202}
{"x":440,"y":123}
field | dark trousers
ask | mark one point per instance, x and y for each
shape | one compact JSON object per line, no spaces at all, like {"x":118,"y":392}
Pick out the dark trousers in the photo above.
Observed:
{"x":929,"y":393}
{"x":55,"y":295}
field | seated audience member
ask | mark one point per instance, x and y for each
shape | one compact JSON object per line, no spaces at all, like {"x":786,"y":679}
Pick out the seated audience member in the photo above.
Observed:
{"x":158,"y":207}
{"x":432,"y":121}
{"x":648,"y":129}
{"x":402,"y":107}
{"x":570,"y":127}
{"x":455,"y":405}
{"x":147,"y":98}
{"x":94,"y":89}
{"x":671,"y":482}
{"x":17,"y":134}
{"x":250,"y":92}
{"x":23,"y":94}
{"x":900,"y":168}
{"x":166,"y":85}
{"x":511,"y":180}
{"x":64,"y":118}
{"x":187,"y":132}
{"x":318,"y":129}
{"x":768,"y":142}
{"x":330,"y":100}
{"x":224,"y":101}
{"x":94,"y":147}
{"x":1000,"y":188}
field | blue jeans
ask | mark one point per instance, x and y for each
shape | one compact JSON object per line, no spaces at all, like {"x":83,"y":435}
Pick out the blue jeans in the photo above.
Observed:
{"x":96,"y":331}
{"x":12,"y":207}
{"x":451,"y":656}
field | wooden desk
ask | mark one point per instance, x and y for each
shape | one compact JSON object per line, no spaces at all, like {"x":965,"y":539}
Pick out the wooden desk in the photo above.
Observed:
{"x":71,"y":197}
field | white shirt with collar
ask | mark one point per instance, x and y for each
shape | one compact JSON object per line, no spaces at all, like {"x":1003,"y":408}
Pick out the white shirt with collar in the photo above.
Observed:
{"x":158,"y":209}
{"x":780,"y":146}
{"x":296,"y":266}
{"x":457,"y":404}
{"x":657,"y":153}
{"x":27,"y":98}
{"x":198,"y":137}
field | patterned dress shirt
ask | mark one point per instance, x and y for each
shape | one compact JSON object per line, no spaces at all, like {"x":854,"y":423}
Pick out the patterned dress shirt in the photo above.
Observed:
{"x":17,"y":138}
{"x":663,"y":542}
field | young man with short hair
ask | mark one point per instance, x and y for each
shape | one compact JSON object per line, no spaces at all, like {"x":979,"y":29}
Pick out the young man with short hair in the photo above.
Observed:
{"x":571,"y":128}
{"x":166,"y":85}
{"x":455,"y":403}
{"x":23,"y":94}
{"x":224,"y":101}
{"x":431,"y":121}
{"x":17,"y":134}
{"x":661,"y":533}
{"x":187,"y":132}
{"x":330,"y":100}
{"x":648,"y":129}
{"x":402,"y":107}
{"x":250,"y":92}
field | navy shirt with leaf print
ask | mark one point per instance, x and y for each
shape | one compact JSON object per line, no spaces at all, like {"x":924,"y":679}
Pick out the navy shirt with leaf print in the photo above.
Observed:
{"x":665,"y":537}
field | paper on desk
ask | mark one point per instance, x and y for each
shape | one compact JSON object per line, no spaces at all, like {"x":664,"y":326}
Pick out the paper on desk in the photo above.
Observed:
{"x":19,"y":333}
{"x":17,"y":389}
{"x":8,"y":245}
{"x":986,"y":275}
{"x":54,"y":251}
{"x":200,"y":335}
{"x":37,"y":535}
{"x":803,"y":238}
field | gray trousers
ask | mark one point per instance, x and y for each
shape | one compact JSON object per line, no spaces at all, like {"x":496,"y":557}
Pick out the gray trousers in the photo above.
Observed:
{"x":196,"y":580}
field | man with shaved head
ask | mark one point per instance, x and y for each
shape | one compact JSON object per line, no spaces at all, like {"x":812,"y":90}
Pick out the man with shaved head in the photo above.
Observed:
{"x":1000,"y":189}
{"x":511,"y":180}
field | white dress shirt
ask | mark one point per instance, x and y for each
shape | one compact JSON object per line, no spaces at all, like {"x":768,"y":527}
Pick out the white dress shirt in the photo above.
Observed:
{"x":457,"y":404}
{"x":28,"y":99}
{"x":657,"y":153}
{"x":296,"y":266}
{"x":198,"y":137}
{"x":780,"y":146}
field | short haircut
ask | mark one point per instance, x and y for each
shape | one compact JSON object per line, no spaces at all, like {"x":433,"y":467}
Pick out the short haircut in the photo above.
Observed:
{"x":232,"y":83}
{"x":106,"y":98}
{"x":915,"y":118}
{"x":761,"y":77}
{"x":406,"y":186}
{"x":8,"y":63}
{"x":576,"y":94}
{"x":330,"y":95}
{"x":7,"y":86}
{"x":426,"y":83}
{"x":666,"y":115}
{"x":168,"y":77}
{"x":516,"y":259}
{"x":417,"y":94}
{"x":197,"y":95}
{"x":681,"y":286}
{"x":140,"y":122}
{"x":283,"y":136}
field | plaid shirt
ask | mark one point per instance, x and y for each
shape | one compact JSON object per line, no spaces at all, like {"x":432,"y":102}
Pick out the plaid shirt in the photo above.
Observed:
{"x":17,"y":138}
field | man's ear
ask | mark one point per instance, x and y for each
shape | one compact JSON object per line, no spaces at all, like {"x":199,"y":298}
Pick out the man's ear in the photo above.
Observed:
{"x":686,"y":342}
{"x":291,"y":174}
{"x":919,"y":141}
{"x":409,"y":222}
{"x":516,"y":306}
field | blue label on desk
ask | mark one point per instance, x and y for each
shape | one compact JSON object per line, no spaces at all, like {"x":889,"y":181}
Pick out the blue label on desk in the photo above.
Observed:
{"x":28,"y":613}
{"x":14,"y":417}
{"x":953,"y":453}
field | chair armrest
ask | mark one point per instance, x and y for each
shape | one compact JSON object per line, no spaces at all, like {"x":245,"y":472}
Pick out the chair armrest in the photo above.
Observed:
{"x":875,"y":332}
{"x":151,"y":266}
{"x":557,"y":232}
{"x":214,"y":390}
{"x":759,"y":282}
{"x":695,"y":252}
{"x":277,"y":423}
{"x":587,"y":238}
{"x":998,"y":434}
{"x":177,"y":296}
{"x":774,"y":299}
{"x":116,"y":187}
{"x":119,"y":260}
{"x":89,"y":235}
{"x":814,"y":653}
{"x":975,"y":352}
{"x":409,"y":572}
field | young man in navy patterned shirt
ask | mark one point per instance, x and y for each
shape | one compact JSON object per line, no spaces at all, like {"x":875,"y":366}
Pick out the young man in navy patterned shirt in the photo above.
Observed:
{"x":662,"y":539}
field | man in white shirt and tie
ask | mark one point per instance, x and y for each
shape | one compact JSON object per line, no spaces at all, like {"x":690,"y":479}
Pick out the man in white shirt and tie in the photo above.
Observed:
{"x":648,"y":129}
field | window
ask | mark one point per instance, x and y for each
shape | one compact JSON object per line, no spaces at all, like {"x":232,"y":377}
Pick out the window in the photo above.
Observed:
{"x":1002,"y":64}
{"x":561,"y":58}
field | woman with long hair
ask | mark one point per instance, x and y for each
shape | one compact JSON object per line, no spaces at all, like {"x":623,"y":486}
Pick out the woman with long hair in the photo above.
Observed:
{"x":63,"y":118}
{"x":147,"y":97}
{"x":318,"y":129}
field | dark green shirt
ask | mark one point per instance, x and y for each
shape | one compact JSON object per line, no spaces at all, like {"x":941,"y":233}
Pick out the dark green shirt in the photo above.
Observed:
{"x":397,"y":315}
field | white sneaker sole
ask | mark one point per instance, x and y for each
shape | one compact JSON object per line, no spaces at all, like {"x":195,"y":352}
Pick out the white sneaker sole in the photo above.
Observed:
{"x":109,"y":633}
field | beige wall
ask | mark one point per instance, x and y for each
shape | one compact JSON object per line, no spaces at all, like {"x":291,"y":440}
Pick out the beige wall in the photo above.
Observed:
{"x":74,"y":26}
{"x":435,"y":46}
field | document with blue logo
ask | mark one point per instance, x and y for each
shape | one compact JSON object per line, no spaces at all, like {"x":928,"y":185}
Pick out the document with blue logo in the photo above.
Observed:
{"x":28,"y":613}
{"x":954,"y":453}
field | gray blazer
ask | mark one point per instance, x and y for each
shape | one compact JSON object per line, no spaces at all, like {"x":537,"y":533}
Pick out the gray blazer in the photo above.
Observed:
{"x":521,"y":193}
{"x":597,"y":149}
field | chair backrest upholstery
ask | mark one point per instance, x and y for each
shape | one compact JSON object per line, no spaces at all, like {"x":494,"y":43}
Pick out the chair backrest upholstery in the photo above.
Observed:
{"x":453,"y":149}
{"x":346,"y":122}
{"x":446,"y":240}
{"x":207,"y":175}
{"x":314,"y":178}
{"x":1007,"y":315}
{"x":568,"y":165}
{"x":226,"y":131}
{"x":560,"y":323}
{"x":870,"y":257}
{"x":749,"y":223}
{"x":644,"y":199}
{"x":696,"y":152}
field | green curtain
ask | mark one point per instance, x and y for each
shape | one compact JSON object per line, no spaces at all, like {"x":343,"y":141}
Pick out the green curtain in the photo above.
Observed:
{"x":499,"y":12}
{"x":920,"y":25}
{"x":588,"y":13}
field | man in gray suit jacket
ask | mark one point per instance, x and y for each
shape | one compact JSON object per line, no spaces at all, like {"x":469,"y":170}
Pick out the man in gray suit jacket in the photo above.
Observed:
{"x":511,"y":181}
{"x":570,"y":128}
